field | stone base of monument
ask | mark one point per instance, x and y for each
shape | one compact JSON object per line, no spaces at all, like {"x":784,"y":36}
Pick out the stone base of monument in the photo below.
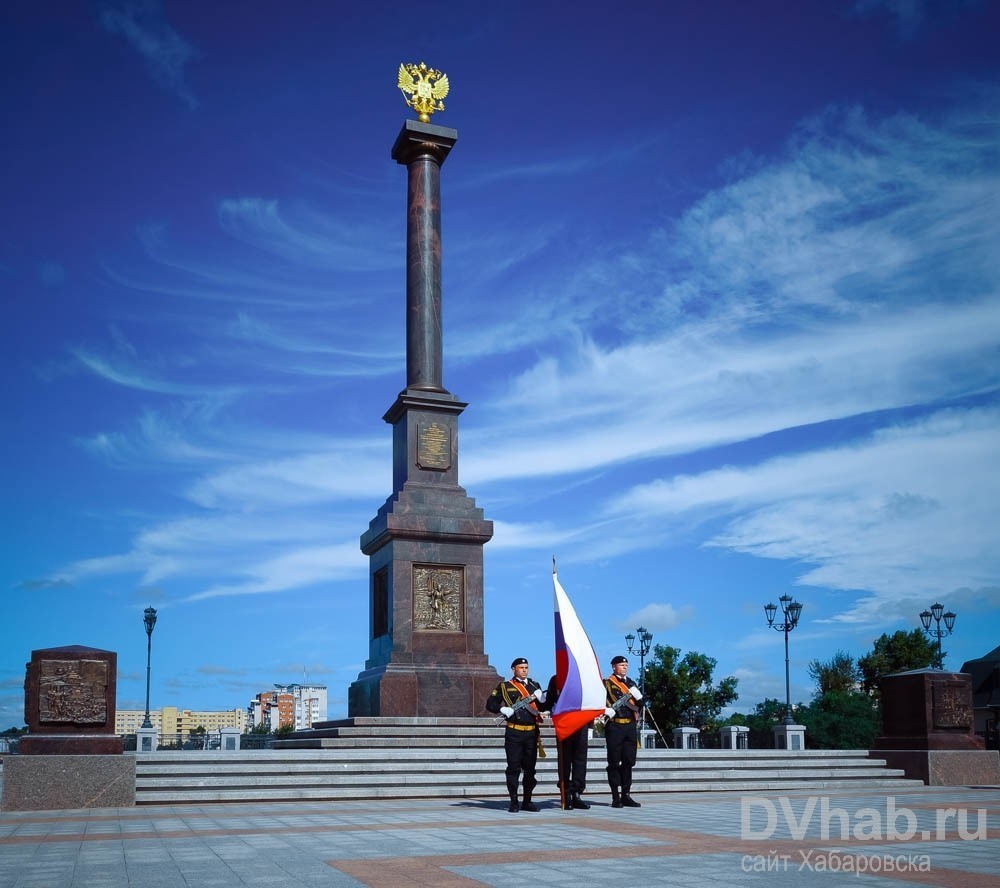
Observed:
{"x":71,"y":744}
{"x":421,"y":691}
{"x":945,"y":767}
{"x":929,"y":730}
{"x":51,"y":782}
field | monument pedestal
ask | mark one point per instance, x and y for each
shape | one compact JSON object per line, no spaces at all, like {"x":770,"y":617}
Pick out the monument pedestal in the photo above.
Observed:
{"x":425,"y":549}
{"x":71,"y":756}
{"x":52,"y":782}
{"x":929,"y":730}
{"x":71,"y":744}
{"x":945,"y":767}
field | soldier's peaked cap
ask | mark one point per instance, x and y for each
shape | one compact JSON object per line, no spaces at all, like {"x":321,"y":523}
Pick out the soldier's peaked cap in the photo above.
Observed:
{"x":518,"y":661}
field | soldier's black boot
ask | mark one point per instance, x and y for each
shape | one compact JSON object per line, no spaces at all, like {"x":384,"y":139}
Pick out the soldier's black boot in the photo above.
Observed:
{"x":514,"y":807}
{"x":616,"y":799}
{"x":627,"y":800}
{"x":527,"y":804}
{"x":577,"y":802}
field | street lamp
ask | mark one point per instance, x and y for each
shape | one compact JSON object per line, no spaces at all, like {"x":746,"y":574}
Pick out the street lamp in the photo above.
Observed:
{"x":642,"y":645}
{"x":937,"y":613}
{"x":149,"y":619}
{"x":790,"y":611}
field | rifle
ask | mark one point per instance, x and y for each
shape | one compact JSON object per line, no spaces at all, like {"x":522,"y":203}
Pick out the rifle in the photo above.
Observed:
{"x":517,"y":707}
{"x":617,"y":706}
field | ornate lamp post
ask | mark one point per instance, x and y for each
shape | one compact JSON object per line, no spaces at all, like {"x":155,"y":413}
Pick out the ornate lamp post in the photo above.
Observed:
{"x":149,"y":619}
{"x":937,"y":613}
{"x":790,"y":612}
{"x":642,"y":640}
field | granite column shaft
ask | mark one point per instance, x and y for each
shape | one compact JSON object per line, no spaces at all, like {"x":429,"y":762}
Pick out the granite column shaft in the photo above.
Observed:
{"x":423,"y":272}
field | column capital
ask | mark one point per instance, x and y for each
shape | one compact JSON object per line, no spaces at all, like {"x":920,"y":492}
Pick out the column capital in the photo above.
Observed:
{"x":417,"y":138}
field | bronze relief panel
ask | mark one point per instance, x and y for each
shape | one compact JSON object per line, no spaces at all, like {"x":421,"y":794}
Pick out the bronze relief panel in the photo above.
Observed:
{"x":438,"y":598}
{"x":73,"y":691}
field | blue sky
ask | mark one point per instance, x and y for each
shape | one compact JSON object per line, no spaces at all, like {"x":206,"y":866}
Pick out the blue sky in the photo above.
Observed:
{"x":721,"y":287}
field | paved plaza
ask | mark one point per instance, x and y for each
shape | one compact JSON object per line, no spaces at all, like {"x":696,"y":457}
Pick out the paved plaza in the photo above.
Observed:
{"x":928,"y":836}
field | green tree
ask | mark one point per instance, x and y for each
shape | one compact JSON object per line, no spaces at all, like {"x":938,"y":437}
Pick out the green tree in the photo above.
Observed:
{"x":680,"y":689}
{"x":895,"y":653}
{"x":840,"y":719}
{"x":284,"y":729}
{"x":762,"y":720}
{"x":838,"y":674}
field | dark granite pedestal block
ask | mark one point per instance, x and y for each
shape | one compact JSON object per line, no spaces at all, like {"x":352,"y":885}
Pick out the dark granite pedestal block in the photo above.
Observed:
{"x":51,"y":782}
{"x":71,"y":756}
{"x":929,"y":731}
{"x":71,"y":744}
{"x":945,"y":767}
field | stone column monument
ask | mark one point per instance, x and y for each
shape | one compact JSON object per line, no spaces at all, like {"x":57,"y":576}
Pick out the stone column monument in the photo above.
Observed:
{"x":425,"y":545}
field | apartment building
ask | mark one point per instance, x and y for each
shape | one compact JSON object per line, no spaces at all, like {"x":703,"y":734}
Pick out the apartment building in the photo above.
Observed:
{"x":171,"y":720}
{"x":295,"y":705}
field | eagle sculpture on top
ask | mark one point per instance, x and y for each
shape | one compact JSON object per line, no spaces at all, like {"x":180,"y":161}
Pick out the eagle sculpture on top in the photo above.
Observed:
{"x":423,"y":89}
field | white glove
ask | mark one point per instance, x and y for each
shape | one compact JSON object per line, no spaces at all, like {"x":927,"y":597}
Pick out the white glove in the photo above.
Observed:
{"x":506,"y":711}
{"x":636,"y":693}
{"x":609,"y":712}
{"x":540,"y":695}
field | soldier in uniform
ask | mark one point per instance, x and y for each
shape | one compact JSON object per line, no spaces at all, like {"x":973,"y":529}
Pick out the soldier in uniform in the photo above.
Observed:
{"x":521,"y":737}
{"x":572,"y":757}
{"x":620,"y":733}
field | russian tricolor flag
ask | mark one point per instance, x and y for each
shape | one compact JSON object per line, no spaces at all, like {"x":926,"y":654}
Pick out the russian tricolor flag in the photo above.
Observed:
{"x":582,"y":694}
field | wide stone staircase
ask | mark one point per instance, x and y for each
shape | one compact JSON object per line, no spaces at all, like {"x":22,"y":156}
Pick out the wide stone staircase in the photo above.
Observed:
{"x":453,"y":758}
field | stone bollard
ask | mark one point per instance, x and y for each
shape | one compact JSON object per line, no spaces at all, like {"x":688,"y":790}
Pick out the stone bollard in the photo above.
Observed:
{"x":229,"y":739}
{"x":686,"y":738}
{"x":734,"y":736}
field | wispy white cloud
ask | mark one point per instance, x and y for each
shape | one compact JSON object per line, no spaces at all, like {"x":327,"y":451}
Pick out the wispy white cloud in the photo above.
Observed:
{"x":310,"y":237}
{"x":911,"y":16}
{"x":901,"y":516}
{"x":295,"y":569}
{"x":656,"y":618}
{"x":854,"y":276}
{"x":165,"y":52}
{"x":348,"y":470}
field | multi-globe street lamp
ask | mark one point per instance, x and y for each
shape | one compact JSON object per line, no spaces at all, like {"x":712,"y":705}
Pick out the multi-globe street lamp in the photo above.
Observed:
{"x":642,"y":639}
{"x":149,"y":619}
{"x":791,"y":610}
{"x":937,"y":614}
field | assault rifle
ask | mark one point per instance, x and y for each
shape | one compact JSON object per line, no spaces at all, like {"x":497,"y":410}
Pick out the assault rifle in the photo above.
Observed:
{"x":618,"y":705}
{"x":523,"y":703}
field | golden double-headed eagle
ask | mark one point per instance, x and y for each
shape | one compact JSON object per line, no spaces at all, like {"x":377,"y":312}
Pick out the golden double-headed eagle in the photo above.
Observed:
{"x":423,"y":89}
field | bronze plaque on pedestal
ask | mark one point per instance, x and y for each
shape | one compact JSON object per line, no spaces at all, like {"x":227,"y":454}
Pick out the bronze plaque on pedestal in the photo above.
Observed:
{"x":73,"y":692}
{"x":952,"y":704}
{"x":434,"y":446}
{"x":438,"y":598}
